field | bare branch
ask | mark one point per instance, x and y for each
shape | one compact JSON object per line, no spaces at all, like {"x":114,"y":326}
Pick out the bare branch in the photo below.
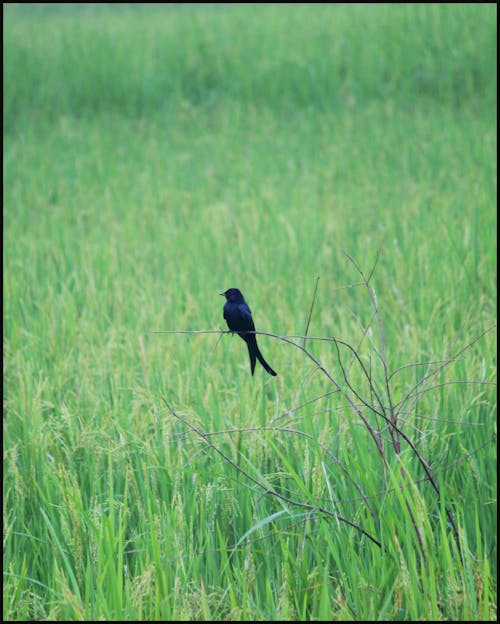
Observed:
{"x":296,"y":409}
{"x":311,"y":309}
{"x":267,"y":490}
{"x":449,"y":383}
{"x":446,"y":362}
{"x":414,"y":364}
{"x":382,"y":356}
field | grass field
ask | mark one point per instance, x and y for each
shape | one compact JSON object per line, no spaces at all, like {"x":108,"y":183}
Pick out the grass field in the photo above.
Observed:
{"x":156,"y":155}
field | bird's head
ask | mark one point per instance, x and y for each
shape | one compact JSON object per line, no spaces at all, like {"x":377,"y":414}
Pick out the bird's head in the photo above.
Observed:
{"x":233,"y":295}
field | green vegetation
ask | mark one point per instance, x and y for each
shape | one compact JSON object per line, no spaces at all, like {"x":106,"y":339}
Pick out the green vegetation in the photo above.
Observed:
{"x":155,"y":155}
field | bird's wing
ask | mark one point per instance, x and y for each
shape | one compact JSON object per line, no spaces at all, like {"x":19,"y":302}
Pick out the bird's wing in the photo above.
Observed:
{"x":246,"y":316}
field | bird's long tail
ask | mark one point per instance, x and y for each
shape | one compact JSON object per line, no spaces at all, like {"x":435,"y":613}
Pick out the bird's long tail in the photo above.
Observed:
{"x":254,"y":353}
{"x":265,"y":364}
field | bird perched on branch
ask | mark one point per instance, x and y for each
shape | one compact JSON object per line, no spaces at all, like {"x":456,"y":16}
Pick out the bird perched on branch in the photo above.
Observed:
{"x":239,"y":319}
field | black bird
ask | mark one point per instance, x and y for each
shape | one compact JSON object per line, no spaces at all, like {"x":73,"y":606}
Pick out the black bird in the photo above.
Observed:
{"x":239,"y":319}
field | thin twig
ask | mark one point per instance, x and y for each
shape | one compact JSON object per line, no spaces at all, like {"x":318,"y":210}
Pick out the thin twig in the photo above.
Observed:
{"x":383,"y":359}
{"x":311,"y":309}
{"x":365,"y":333}
{"x":296,"y":409}
{"x":415,"y":364}
{"x":261,"y":485}
{"x":298,"y":432}
{"x":448,"y":383}
{"x":446,"y":363}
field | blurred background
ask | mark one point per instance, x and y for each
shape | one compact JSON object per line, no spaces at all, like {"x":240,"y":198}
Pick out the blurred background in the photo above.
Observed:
{"x":158,"y":154}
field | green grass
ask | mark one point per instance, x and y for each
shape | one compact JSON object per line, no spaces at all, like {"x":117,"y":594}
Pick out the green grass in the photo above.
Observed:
{"x":157,"y":155}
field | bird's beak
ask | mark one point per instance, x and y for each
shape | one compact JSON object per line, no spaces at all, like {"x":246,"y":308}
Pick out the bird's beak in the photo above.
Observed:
{"x":223,"y":294}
